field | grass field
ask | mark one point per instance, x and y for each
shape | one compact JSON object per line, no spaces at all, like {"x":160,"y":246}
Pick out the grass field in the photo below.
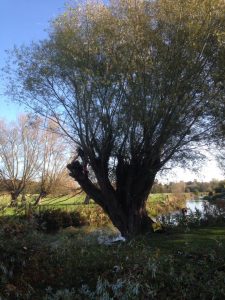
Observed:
{"x":156,"y":204}
{"x":79,"y":199}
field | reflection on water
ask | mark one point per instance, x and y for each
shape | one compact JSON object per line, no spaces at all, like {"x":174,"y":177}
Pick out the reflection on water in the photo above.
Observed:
{"x":193,"y":206}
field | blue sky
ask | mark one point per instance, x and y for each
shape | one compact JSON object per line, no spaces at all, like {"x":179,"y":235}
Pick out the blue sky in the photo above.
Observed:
{"x":23,"y":21}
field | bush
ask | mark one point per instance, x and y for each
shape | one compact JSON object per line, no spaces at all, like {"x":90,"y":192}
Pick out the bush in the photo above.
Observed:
{"x":36,"y":265}
{"x":211,"y":215}
{"x":15,"y":227}
{"x":77,"y":219}
{"x":218,"y":196}
{"x":53,"y":220}
{"x":94,"y":216}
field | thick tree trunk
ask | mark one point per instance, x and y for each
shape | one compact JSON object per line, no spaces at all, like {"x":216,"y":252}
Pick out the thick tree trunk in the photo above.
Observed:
{"x":134,"y":222}
{"x":87,"y":199}
{"x":125,"y":206}
{"x":14,"y":198}
{"x":23,"y":199}
{"x":42,"y":195}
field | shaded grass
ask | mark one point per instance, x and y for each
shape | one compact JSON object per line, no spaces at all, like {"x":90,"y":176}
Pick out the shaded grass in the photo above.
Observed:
{"x":201,"y":239}
{"x":73,"y":257}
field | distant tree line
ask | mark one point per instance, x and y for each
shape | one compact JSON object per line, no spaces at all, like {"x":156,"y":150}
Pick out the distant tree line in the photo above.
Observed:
{"x":195,"y":187}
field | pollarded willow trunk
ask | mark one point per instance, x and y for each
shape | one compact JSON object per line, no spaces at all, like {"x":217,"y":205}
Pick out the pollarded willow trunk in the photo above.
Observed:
{"x":134,"y":221}
{"x":125,"y":205}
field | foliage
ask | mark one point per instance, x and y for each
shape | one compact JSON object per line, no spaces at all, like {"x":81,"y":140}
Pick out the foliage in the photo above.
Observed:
{"x":52,"y":220}
{"x":134,"y":84}
{"x":221,"y":155}
{"x":209,"y":216}
{"x":188,"y":187}
{"x":77,"y":219}
{"x":94,"y":216}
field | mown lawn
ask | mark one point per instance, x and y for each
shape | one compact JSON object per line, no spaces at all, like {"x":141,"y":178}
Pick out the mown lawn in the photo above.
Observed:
{"x":79,"y":199}
{"x":71,"y":199}
{"x":156,"y":204}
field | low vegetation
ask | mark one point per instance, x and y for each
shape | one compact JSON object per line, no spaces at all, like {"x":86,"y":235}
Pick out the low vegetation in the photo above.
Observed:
{"x":121,"y":90}
{"x":63,"y":249}
{"x":77,"y":262}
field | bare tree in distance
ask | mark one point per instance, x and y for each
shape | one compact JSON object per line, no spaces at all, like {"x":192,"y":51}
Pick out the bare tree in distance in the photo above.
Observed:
{"x":54,"y":153}
{"x":133,"y":84}
{"x":19,"y":153}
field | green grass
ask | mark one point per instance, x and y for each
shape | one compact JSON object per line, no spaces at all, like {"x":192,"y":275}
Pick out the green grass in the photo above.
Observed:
{"x":67,"y":199}
{"x":184,"y":262}
{"x":201,"y":239}
{"x":156,"y":204}
{"x":158,"y":197}
{"x":73,"y":257}
{"x":78,"y":199}
{"x":4,"y":200}
{"x":50,"y":200}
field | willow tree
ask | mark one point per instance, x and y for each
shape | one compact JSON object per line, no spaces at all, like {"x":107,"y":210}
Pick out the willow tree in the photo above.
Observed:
{"x":19,"y":154}
{"x":52,"y":159}
{"x":131,"y":83}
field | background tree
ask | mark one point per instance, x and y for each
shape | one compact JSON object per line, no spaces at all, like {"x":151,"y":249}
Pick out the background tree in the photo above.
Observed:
{"x":178,"y":187}
{"x":221,"y":157}
{"x":133,"y":84}
{"x":54,"y":153}
{"x":19,"y":153}
{"x":52,"y":159}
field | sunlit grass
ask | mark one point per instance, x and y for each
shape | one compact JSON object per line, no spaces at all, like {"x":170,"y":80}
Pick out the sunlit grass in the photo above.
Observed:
{"x":156,"y":204}
{"x":74,"y":199}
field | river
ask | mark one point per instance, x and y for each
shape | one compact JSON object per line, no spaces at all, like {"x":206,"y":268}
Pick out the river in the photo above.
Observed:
{"x":194,"y":205}
{"x":199,"y":204}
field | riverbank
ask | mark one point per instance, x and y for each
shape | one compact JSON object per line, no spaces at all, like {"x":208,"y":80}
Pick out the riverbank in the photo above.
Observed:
{"x":79,"y":263}
{"x":72,"y":264}
{"x":159,"y":204}
{"x":216,"y":196}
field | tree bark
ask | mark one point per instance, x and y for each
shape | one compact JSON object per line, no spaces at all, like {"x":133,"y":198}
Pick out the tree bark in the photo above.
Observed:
{"x":135,"y":221}
{"x":87,"y":200}
{"x":23,"y":199}
{"x":126,"y":205}
{"x":42,"y":195}
{"x":14,"y":198}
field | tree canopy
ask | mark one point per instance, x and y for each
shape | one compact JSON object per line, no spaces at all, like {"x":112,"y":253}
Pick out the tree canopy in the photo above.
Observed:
{"x":134,"y":84}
